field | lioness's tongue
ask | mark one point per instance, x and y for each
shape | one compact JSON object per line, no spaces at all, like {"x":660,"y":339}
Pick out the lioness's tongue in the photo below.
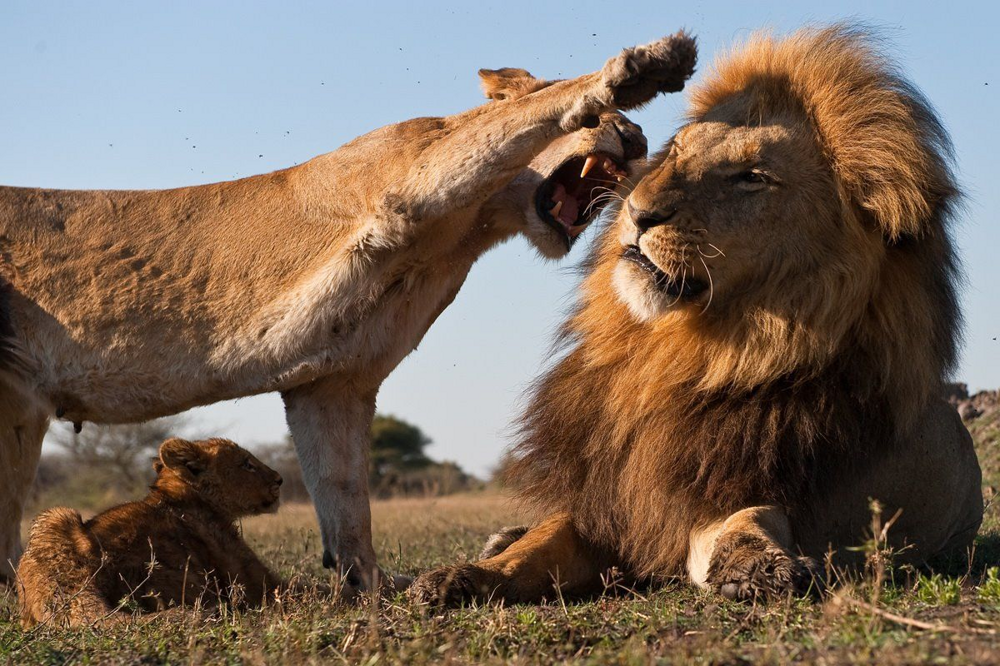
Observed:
{"x":570,"y":208}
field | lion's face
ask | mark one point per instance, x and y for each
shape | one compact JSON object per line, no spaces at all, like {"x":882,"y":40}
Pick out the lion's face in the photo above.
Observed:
{"x":567,"y":185}
{"x":226,"y":476}
{"x":734,"y":216}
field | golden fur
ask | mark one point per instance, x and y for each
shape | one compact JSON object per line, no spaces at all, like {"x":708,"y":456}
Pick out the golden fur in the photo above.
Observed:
{"x":759,"y":344}
{"x":179,"y":545}
{"x":315,"y":281}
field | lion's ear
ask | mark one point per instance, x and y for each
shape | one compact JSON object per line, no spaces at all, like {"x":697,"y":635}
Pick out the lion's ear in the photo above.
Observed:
{"x":509,"y":82}
{"x":186,"y":458}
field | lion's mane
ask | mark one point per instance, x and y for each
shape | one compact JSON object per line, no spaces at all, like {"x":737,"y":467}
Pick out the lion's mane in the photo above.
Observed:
{"x":644,"y":431}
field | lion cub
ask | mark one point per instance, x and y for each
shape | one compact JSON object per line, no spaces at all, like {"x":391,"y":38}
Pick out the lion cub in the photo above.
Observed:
{"x":177,"y":545}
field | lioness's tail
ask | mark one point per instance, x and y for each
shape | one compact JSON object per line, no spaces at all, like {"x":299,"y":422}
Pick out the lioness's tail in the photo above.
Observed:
{"x":56,"y":570}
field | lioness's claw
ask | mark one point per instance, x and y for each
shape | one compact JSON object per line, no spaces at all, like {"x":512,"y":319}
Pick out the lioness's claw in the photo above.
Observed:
{"x":638,"y":74}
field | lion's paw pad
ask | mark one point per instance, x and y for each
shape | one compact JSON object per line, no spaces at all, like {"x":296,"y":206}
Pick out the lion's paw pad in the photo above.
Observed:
{"x":747,"y":572}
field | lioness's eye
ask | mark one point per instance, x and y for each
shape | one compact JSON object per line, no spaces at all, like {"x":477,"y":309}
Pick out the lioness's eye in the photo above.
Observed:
{"x":247,"y":465}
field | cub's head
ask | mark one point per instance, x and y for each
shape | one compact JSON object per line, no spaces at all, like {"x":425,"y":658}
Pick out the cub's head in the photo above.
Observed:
{"x":568,"y":184}
{"x":802,"y":210}
{"x":220,"y":473}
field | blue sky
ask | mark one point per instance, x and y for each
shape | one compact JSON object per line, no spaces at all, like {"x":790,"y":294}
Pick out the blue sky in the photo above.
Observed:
{"x":153,"y":95}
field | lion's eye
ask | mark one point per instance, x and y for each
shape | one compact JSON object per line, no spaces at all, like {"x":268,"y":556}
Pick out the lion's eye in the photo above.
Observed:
{"x":249,"y":466}
{"x":754,"y":176}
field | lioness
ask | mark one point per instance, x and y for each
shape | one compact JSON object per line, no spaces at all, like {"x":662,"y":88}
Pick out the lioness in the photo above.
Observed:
{"x":177,"y":546}
{"x":759,"y":348}
{"x":314,"y":281}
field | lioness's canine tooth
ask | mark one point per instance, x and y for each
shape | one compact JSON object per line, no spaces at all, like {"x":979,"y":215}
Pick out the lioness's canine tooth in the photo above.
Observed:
{"x":555,"y":210}
{"x":588,"y":165}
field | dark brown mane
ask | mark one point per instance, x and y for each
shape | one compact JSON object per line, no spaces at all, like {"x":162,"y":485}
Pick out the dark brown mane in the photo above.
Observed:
{"x":644,"y":431}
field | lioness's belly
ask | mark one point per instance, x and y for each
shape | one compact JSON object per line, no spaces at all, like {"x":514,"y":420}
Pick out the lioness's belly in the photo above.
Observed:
{"x":158,"y":367}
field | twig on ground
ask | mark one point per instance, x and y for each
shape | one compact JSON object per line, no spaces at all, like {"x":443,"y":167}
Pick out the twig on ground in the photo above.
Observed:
{"x":838,"y":598}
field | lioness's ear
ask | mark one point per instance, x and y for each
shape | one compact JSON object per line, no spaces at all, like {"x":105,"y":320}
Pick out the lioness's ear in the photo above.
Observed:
{"x":184,"y":457}
{"x":509,"y":82}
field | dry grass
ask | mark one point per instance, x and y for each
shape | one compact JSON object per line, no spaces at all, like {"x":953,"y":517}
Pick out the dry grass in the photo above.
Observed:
{"x":916,"y":617}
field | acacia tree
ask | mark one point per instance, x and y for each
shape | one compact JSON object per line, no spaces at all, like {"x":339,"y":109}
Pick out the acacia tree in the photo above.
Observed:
{"x":124,"y":450}
{"x":396,"y":447}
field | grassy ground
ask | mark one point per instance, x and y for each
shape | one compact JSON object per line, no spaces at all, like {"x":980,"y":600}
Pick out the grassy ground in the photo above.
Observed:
{"x":918,"y":618}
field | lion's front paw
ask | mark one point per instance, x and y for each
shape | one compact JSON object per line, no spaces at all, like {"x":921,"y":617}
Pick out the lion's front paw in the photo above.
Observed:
{"x":501,"y":541}
{"x":638,"y":74}
{"x":452,"y":586}
{"x":746,"y":567}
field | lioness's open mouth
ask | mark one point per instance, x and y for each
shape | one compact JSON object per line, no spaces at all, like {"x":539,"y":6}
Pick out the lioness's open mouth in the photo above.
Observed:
{"x":570,"y":198}
{"x":685,"y":287}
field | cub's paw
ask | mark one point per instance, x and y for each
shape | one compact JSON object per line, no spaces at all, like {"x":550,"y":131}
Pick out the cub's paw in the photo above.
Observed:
{"x":452,"y":585}
{"x":746,"y":567}
{"x":638,"y":74}
{"x":501,"y":541}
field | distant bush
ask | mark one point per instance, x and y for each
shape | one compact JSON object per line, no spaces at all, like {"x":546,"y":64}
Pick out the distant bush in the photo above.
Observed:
{"x":397,"y":466}
{"x":101,"y":465}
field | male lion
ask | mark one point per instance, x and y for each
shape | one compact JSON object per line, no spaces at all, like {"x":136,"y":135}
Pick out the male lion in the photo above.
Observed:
{"x":759,"y":346}
{"x":314,"y":281}
{"x":178,"y":545}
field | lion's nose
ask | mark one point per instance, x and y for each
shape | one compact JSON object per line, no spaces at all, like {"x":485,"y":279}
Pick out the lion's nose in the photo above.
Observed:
{"x":646,"y":219}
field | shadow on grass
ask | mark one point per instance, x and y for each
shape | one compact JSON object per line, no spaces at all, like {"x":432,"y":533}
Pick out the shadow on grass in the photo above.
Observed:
{"x":985,"y":554}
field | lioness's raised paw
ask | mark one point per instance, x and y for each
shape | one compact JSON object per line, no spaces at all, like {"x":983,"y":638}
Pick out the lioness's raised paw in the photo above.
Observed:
{"x":452,"y":585}
{"x":638,"y":74}
{"x":744,"y":567}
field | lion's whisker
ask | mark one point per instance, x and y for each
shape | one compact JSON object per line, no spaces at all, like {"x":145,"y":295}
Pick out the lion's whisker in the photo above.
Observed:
{"x":721,"y":253}
{"x":680,"y":292}
{"x":702,"y":253}
{"x":711,"y":284}
{"x":628,"y":181}
{"x":607,"y":196}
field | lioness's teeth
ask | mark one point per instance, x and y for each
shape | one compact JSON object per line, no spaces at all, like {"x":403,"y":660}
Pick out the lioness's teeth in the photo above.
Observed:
{"x":588,"y":165}
{"x":619,"y":178}
{"x":609,"y":166}
{"x":555,"y":210}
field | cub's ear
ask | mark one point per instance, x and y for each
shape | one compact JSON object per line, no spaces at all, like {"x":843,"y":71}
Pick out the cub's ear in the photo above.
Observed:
{"x":186,"y":458}
{"x":509,"y":83}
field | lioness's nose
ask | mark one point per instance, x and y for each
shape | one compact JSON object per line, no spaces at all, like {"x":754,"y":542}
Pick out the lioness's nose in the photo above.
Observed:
{"x":633,"y":140}
{"x":278,"y":480}
{"x":647,"y":219}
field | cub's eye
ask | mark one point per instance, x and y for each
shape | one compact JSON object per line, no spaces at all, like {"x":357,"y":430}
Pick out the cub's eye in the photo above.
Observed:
{"x":249,"y":466}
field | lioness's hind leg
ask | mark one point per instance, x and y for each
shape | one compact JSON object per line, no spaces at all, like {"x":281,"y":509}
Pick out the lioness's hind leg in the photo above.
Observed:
{"x":22,"y":428}
{"x":748,"y":555}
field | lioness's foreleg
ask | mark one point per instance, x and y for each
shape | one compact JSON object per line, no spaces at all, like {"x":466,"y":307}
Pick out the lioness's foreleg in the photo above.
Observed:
{"x":749,"y":554}
{"x":551,"y":558}
{"x":330,"y":421}
{"x":481,"y":150}
{"x":22,"y":428}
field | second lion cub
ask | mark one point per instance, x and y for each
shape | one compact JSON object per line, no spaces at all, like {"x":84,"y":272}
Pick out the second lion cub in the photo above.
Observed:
{"x":177,"y":545}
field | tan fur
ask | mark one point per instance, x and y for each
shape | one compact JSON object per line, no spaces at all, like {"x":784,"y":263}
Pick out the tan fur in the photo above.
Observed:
{"x":177,"y":546}
{"x":760,"y":344}
{"x":314,"y":281}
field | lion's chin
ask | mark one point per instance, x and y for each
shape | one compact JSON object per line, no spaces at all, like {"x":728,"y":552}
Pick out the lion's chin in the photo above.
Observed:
{"x":649,"y":296}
